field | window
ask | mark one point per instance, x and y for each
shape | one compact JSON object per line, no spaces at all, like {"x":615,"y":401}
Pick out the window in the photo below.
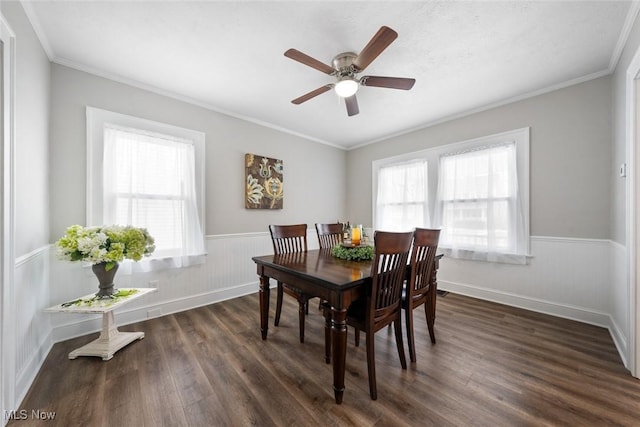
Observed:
{"x":402,"y":202}
{"x":146,"y":174}
{"x":477,"y":193}
{"x":478,"y":205}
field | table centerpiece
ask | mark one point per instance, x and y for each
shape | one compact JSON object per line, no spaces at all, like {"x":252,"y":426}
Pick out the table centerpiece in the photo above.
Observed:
{"x":353,"y":252}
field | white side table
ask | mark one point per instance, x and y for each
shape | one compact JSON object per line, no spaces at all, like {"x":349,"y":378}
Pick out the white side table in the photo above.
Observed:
{"x":110,"y":340}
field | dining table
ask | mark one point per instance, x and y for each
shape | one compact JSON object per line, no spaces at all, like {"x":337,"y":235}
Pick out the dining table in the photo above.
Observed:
{"x":337,"y":282}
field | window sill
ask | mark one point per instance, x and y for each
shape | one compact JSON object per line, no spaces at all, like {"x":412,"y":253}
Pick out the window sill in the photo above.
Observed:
{"x":471,"y":255}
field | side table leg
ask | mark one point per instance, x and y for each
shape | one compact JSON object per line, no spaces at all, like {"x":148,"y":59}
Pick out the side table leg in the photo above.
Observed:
{"x":110,"y":340}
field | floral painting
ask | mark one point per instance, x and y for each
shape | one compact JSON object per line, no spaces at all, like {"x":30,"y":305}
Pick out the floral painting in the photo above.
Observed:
{"x":263,"y":182}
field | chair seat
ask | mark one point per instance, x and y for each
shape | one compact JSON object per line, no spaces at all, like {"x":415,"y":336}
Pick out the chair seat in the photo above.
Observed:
{"x":417,"y":299}
{"x":356,"y":312}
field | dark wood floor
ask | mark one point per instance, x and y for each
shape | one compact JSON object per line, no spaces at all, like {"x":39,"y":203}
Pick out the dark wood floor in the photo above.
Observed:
{"x":492,"y":365}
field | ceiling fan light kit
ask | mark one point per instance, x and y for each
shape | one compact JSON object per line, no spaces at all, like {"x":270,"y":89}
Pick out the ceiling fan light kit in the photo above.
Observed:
{"x":346,"y":87}
{"x":345,"y":68}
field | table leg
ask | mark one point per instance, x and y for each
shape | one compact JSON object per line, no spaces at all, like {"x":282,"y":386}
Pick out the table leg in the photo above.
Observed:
{"x":110,"y":340}
{"x":339,"y":350}
{"x":264,"y":306}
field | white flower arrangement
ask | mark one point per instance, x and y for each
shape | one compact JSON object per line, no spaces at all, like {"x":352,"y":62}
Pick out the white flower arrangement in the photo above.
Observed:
{"x":106,"y":244}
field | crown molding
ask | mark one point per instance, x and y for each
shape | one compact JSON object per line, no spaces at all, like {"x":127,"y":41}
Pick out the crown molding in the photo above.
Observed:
{"x":632,"y":14}
{"x":37,"y":28}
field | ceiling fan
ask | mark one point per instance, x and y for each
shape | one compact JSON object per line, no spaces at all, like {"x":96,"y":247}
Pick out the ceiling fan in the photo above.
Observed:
{"x":346,"y":67}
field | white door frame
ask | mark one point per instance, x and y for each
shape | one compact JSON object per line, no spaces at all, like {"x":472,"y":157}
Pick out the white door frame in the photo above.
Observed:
{"x":632,"y":125}
{"x":7,"y":260}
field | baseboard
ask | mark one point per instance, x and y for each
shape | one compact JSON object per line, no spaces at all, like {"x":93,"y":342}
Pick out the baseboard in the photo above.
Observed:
{"x":541,"y":306}
{"x":619,"y":340}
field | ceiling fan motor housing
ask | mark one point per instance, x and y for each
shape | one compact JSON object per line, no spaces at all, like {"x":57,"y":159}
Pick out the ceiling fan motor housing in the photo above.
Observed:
{"x":343,"y":63}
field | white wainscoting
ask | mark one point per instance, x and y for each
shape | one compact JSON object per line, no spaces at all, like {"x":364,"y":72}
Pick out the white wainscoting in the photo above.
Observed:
{"x":227,"y":273}
{"x":31,"y":326}
{"x":581,"y":279}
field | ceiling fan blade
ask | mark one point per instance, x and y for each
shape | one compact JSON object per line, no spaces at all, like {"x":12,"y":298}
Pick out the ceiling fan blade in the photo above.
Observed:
{"x":305,"y":59}
{"x":389,"y":82}
{"x":380,"y":41}
{"x":312,"y":94}
{"x":352,"y":105}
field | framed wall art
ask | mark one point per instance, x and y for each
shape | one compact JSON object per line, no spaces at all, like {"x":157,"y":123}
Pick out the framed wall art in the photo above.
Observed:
{"x":263,"y":177}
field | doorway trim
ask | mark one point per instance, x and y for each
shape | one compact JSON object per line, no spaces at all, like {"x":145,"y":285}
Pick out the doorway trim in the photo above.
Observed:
{"x":7,"y":259}
{"x":632,"y":125}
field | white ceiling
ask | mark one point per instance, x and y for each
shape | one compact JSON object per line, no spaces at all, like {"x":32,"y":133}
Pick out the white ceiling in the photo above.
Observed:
{"x":228,"y":55}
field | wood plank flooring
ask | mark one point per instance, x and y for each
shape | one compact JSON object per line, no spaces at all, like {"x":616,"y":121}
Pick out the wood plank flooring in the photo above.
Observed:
{"x":492,"y":365}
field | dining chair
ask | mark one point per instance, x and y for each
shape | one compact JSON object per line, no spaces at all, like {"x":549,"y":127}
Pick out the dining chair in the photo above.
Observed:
{"x":382,"y":306}
{"x":290,"y":239}
{"x":329,"y":235}
{"x":421,"y":288}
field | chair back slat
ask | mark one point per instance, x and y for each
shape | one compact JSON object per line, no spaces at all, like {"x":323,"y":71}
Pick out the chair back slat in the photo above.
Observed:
{"x":425,"y":246}
{"x":288,"y":238}
{"x":329,"y":235}
{"x":388,"y":270}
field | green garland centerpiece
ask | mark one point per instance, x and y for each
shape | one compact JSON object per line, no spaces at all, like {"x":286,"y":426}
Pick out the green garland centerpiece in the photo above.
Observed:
{"x":355,"y":253}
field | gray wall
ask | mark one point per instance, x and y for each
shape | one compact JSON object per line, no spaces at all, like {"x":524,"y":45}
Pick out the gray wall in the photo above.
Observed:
{"x":314,"y":173}
{"x":570,"y":157}
{"x":31,"y":172}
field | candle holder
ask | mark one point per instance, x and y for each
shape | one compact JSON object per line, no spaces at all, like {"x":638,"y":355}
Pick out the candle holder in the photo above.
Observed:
{"x":356,"y":234}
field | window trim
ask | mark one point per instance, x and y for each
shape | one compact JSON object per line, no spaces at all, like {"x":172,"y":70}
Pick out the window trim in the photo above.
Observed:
{"x":96,"y":119}
{"x":432,"y":155}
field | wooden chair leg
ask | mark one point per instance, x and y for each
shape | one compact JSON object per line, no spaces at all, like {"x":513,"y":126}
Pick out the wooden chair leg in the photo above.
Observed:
{"x":326,"y":311}
{"x":430,"y":315}
{"x":410,"y":338}
{"x":302,"y":310}
{"x":398,"y":329}
{"x":278,"y":304}
{"x":371,"y":365}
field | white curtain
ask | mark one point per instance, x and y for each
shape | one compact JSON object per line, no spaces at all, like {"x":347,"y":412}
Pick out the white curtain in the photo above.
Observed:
{"x":149,"y":181}
{"x":402,"y":202}
{"x":478,"y":205}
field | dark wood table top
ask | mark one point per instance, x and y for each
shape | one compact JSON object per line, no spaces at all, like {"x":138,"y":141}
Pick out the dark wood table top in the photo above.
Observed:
{"x":320,"y":267}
